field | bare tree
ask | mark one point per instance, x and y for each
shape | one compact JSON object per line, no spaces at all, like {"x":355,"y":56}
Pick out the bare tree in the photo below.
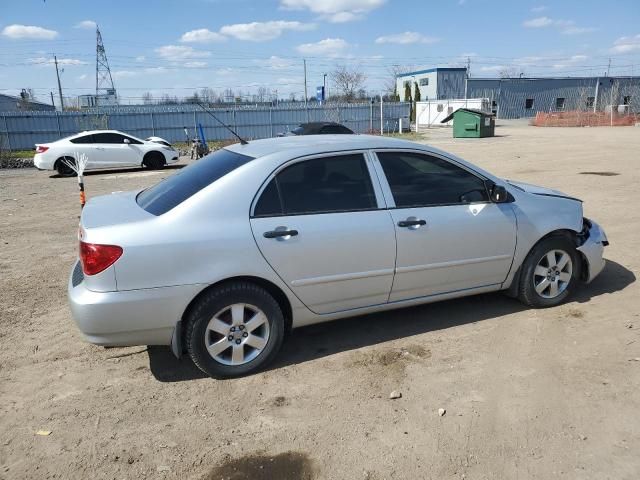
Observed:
{"x":207,"y":95}
{"x":390,"y":84}
{"x":263,"y":94}
{"x":147,"y":98}
{"x":511,"y":72}
{"x":347,"y":81}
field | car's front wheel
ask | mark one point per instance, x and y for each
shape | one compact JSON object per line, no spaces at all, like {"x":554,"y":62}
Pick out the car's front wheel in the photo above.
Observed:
{"x":234,"y":330}
{"x":154,"y":160}
{"x":549,"y":273}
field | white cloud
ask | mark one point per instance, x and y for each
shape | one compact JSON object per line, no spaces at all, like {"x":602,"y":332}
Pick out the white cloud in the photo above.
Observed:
{"x":262,"y":31}
{"x":329,"y":47}
{"x":335,"y":11}
{"x":539,"y":8}
{"x":176,"y":53}
{"x":196,"y":64}
{"x":573,"y":30}
{"x":538,"y":22}
{"x":86,"y":25}
{"x":51,"y":61}
{"x":202,"y":35}
{"x":117,"y":74}
{"x":406,"y":38}
{"x":140,"y":58}
{"x":492,"y":68}
{"x":225,"y":71}
{"x":566,"y":27}
{"x":82,"y":77}
{"x":275,"y":63}
{"x":20,"y":32}
{"x":626,"y":44}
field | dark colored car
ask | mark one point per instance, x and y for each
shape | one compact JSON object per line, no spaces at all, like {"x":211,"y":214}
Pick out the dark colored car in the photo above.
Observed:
{"x":318,"y":128}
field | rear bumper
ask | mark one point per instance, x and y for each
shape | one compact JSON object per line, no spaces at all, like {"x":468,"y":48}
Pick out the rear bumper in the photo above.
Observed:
{"x":132,"y":317}
{"x":42,"y":162}
{"x":593,"y":250}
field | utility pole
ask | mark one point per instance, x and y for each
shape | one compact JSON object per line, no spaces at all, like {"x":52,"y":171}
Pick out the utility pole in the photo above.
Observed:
{"x":608,"y":67}
{"x":55,"y":60}
{"x":304,"y":62}
{"x":324,"y":84}
{"x":381,"y":117}
{"x":52,"y":102}
{"x":466,"y":81}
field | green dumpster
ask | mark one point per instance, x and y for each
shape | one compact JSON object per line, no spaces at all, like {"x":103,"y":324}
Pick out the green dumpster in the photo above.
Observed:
{"x":470,"y":123}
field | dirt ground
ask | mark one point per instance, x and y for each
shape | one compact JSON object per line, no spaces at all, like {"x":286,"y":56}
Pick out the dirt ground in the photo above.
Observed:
{"x":539,"y":394}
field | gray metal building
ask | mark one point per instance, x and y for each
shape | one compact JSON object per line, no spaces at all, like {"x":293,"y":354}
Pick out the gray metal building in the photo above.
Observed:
{"x":523,"y":97}
{"x":9,"y":103}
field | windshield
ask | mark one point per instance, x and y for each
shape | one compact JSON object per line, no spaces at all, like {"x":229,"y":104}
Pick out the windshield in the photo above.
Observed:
{"x":174,"y":190}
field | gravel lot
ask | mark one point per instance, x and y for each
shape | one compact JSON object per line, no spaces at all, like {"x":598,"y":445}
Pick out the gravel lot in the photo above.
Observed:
{"x":528,"y":393}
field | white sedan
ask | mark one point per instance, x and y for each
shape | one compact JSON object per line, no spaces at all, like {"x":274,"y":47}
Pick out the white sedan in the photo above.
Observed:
{"x":104,"y":149}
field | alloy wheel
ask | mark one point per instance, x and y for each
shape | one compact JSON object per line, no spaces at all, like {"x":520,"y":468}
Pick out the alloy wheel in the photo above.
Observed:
{"x":237,"y":334}
{"x":553,"y":273}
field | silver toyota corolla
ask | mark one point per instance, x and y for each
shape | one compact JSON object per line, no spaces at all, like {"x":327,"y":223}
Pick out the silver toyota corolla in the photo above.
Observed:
{"x":220,"y":259}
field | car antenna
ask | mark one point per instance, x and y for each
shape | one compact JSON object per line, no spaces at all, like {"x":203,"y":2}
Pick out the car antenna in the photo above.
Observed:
{"x":242,"y":140}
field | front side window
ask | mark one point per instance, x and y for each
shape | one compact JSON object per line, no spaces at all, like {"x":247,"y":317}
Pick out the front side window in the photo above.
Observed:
{"x":339,"y":183}
{"x":528,"y":103}
{"x":424,"y":82}
{"x":421,"y":180}
{"x":176,"y":188}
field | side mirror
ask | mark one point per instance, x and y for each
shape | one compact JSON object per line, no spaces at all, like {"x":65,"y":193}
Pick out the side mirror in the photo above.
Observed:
{"x":499,"y":194}
{"x":127,"y":141}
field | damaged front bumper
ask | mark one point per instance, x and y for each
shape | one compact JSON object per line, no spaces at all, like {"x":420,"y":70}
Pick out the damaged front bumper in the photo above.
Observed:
{"x":593,"y":240}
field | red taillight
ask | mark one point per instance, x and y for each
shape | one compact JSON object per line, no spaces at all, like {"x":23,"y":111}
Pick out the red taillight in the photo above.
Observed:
{"x":96,"y":258}
{"x":41,"y":148}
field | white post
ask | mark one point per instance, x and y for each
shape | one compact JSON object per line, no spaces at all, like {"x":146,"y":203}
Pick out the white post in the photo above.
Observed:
{"x":381,"y":117}
{"x":400,"y":125}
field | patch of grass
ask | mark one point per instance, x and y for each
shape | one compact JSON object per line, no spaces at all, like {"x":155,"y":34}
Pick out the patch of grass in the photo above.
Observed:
{"x":21,"y":153}
{"x":411,"y":136}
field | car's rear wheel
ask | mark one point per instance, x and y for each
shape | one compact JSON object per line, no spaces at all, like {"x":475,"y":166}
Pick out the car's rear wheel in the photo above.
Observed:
{"x":62,"y":167}
{"x":153,"y":160}
{"x":234,"y":329}
{"x":549,"y":273}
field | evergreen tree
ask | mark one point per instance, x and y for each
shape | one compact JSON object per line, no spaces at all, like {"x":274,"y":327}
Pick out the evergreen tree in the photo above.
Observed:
{"x":415,"y":99}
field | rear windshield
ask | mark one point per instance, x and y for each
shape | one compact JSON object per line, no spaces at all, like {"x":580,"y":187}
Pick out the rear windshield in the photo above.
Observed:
{"x":174,"y":190}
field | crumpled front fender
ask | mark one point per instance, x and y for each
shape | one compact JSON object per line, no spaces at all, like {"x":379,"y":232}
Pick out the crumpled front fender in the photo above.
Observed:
{"x":593,"y":249}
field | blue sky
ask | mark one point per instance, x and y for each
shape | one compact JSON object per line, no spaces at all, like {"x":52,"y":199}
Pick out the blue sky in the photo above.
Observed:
{"x":178,"y":46}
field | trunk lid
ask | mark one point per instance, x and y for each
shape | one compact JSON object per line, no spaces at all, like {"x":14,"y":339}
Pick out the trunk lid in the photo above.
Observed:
{"x":115,"y":209}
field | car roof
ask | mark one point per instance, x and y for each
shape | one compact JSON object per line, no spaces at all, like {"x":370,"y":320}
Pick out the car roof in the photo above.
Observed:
{"x":310,"y":145}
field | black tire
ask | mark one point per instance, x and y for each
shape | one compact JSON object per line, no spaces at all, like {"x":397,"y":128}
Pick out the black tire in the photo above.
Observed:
{"x":154,"y":160}
{"x":63,"y":169}
{"x":527,"y":292}
{"x":217,"y":300}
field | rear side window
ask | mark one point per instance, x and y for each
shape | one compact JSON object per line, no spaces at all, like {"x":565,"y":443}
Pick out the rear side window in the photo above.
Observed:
{"x":108,"y":138}
{"x":83,"y":139}
{"x":175,"y":189}
{"x":419,"y":180}
{"x":322,"y":185}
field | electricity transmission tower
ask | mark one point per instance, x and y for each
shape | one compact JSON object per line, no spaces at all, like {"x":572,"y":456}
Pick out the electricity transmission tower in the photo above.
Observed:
{"x":104,"y":81}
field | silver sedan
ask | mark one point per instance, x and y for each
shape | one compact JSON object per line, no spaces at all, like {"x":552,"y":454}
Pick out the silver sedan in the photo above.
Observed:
{"x":220,"y":259}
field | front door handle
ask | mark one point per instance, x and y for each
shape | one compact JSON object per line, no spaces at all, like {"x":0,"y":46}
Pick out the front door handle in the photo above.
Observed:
{"x":412,"y":222}
{"x":280,"y":233}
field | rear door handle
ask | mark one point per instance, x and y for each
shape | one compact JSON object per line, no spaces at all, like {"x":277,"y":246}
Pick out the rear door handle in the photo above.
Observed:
{"x":411,"y":223}
{"x":280,"y":233}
